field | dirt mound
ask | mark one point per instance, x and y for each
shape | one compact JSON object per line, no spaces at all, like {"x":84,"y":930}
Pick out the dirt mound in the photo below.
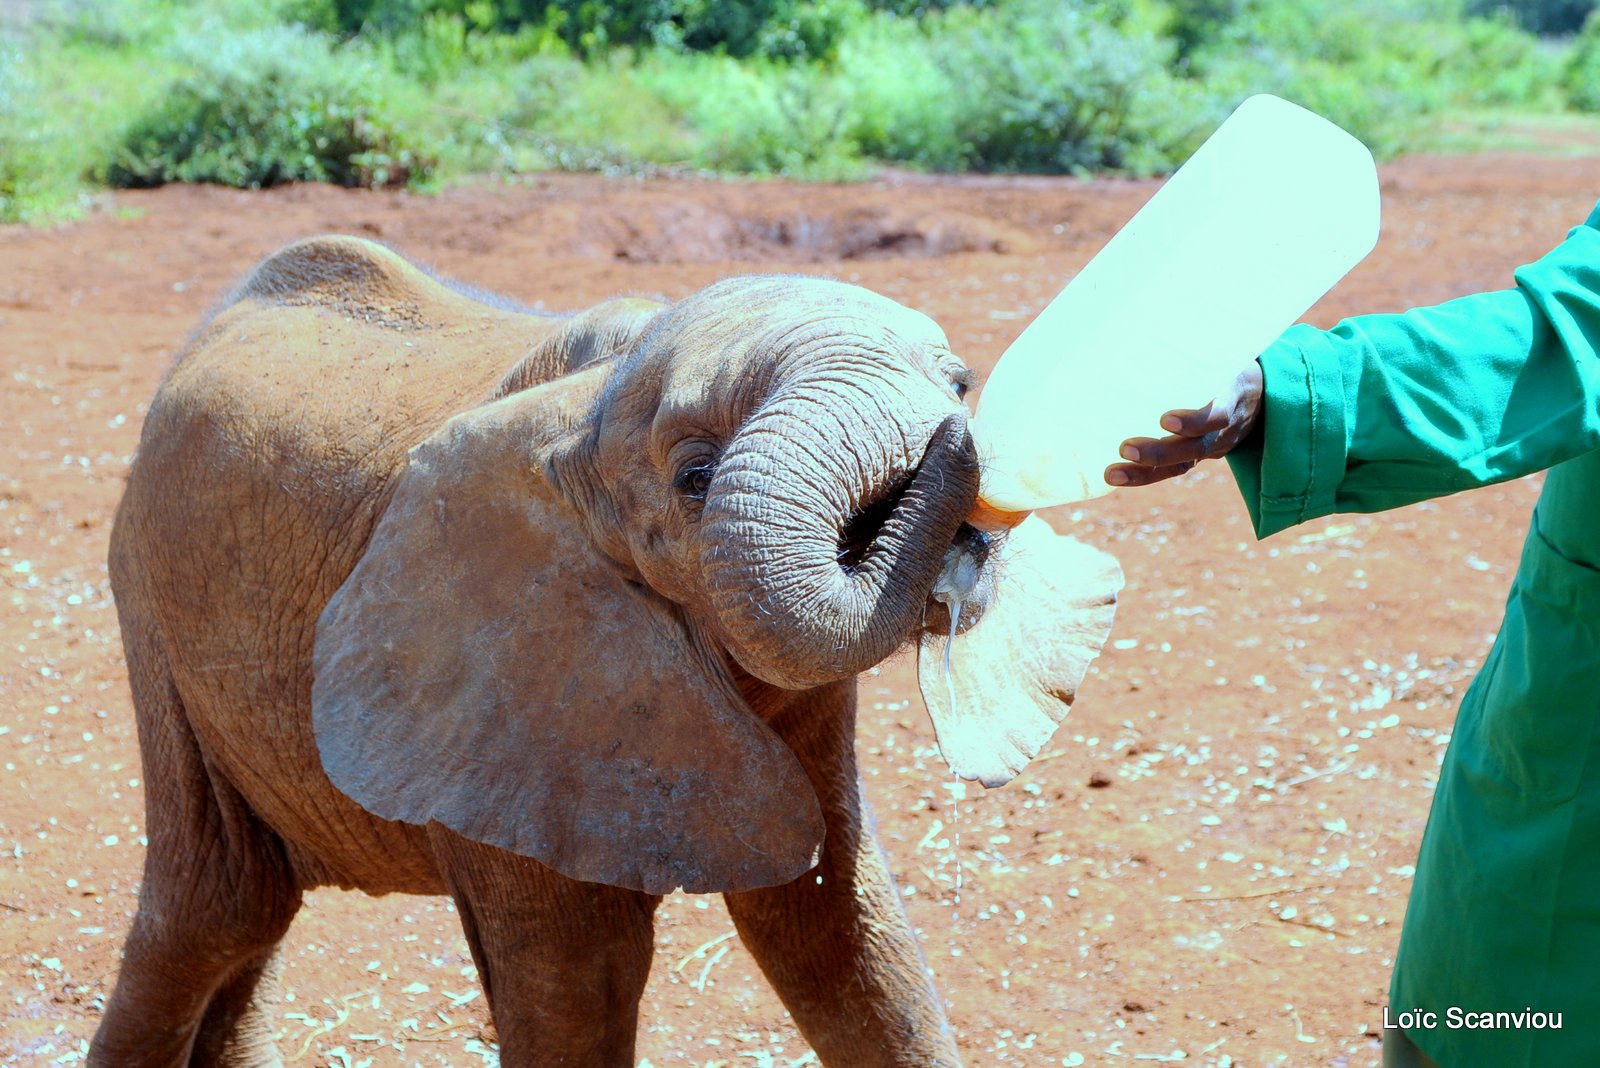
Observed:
{"x":694,"y":232}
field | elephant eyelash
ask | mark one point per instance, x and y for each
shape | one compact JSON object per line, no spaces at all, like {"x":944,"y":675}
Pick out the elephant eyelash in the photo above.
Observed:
{"x":694,"y":480}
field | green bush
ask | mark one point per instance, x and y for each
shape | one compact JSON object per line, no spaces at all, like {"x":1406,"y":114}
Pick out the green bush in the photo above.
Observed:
{"x":775,"y":29}
{"x":1378,"y":69}
{"x":1028,"y":85}
{"x":149,"y":25}
{"x":1492,"y":62}
{"x":62,"y":104}
{"x":269,"y":106}
{"x":593,"y":26}
{"x":1537,"y":16}
{"x":32,"y":183}
{"x":758,"y":116}
{"x":1380,"y":104}
{"x":136,"y":25}
{"x":605,"y":115}
{"x":1582,"y":76}
{"x":444,"y":47}
{"x":811,"y":29}
{"x":1194,"y":24}
{"x":902,"y":97}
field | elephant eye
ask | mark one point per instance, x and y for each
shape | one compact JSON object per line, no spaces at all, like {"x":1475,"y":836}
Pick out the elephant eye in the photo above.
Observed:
{"x":694,"y":479}
{"x":960,"y":388}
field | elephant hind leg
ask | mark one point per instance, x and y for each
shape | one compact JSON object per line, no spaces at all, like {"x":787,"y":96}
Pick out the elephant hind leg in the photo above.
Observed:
{"x":177,"y":1003}
{"x":218,"y":894}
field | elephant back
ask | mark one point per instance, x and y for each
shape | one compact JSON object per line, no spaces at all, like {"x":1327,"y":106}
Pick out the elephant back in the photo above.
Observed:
{"x":266,"y":458}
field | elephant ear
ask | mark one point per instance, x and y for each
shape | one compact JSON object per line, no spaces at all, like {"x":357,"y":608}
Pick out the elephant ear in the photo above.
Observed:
{"x":485,"y":667}
{"x":1014,"y":673}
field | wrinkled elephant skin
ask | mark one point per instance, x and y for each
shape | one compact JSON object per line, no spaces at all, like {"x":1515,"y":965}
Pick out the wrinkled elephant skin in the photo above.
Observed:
{"x":554,"y":615}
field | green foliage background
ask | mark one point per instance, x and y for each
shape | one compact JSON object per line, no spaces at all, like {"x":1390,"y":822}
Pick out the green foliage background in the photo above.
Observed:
{"x":383,"y":92}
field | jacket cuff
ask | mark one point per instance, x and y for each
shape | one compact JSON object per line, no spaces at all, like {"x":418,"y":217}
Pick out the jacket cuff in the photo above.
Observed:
{"x":1290,"y":470}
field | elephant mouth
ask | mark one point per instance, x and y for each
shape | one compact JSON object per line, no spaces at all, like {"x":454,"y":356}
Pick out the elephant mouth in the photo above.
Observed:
{"x":966,"y":583}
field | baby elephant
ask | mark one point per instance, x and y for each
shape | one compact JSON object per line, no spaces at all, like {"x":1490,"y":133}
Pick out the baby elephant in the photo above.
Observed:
{"x":554,"y":615}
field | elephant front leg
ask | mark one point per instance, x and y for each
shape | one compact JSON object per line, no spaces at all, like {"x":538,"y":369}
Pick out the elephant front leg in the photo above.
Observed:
{"x":563,"y":963}
{"x":836,"y":943}
{"x":238,"y":1028}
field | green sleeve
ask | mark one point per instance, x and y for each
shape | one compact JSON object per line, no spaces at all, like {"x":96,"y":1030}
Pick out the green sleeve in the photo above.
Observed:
{"x":1386,"y":410}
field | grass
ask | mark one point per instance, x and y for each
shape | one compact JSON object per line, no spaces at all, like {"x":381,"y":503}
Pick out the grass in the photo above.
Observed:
{"x":61,"y":105}
{"x":1468,"y":131}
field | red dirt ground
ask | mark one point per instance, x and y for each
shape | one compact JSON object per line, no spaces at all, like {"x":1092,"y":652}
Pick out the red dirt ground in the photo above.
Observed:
{"x":1209,"y":864}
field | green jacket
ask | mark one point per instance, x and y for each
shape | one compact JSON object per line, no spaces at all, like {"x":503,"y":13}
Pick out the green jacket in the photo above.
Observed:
{"x":1386,"y":410}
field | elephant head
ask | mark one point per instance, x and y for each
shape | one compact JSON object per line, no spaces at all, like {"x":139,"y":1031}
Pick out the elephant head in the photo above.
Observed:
{"x":551,"y":641}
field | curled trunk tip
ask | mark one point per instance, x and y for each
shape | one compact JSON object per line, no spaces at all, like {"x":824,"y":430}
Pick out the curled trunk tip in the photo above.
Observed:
{"x":813,"y":581}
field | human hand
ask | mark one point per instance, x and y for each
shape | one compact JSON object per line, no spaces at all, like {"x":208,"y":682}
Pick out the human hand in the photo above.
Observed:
{"x":1200,"y":434}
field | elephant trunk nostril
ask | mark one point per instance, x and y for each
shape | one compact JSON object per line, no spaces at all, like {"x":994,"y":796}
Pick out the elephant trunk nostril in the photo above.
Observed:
{"x":862,"y":529}
{"x":813,"y":579}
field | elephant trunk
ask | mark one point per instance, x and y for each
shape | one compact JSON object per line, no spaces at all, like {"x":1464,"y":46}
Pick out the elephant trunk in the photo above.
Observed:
{"x":824,"y":533}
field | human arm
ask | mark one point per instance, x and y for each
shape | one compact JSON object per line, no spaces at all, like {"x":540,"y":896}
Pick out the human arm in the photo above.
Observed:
{"x":1385,"y":410}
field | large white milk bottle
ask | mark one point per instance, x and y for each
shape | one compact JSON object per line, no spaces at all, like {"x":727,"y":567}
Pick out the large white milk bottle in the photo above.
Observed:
{"x":1263,"y":219}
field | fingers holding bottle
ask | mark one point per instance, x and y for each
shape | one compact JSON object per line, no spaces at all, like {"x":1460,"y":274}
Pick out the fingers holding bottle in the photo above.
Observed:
{"x":1194,"y":435}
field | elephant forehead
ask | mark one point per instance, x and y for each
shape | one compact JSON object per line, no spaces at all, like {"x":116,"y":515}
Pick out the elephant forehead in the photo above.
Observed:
{"x":756,"y":307}
{"x":763,"y":346}
{"x":851,"y":313}
{"x":908,"y":323}
{"x":716,"y":356}
{"x":714,"y":393}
